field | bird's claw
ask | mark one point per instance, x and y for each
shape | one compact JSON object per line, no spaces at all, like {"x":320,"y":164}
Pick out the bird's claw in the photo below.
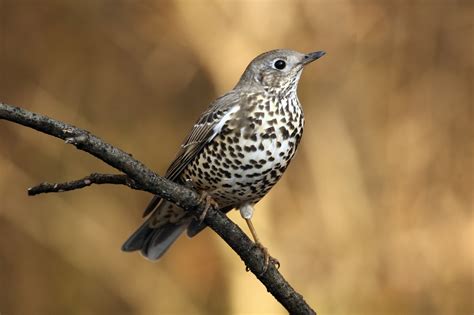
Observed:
{"x":208,"y":202}
{"x":267,"y":259}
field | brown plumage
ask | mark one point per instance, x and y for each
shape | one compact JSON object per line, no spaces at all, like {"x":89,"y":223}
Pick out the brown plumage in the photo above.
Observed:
{"x":236,"y":151}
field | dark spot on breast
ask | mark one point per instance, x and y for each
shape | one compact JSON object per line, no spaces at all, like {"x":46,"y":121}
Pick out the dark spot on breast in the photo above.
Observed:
{"x":270,"y":129}
{"x":284,"y":133}
{"x":252,"y":175}
{"x":225,"y":173}
{"x":250,"y":148}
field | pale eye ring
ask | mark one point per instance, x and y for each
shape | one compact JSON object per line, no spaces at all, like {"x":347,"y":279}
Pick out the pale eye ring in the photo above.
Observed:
{"x":280,"y":64}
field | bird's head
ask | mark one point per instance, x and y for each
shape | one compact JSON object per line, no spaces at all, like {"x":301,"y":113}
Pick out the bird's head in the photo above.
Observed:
{"x":277,"y":70}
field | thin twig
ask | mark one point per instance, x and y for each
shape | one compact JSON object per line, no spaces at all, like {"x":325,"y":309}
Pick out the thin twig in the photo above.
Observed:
{"x":186,"y":198}
{"x":95,"y":178}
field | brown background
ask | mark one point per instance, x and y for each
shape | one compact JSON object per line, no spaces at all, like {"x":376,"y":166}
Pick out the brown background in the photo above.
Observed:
{"x":374,"y":216}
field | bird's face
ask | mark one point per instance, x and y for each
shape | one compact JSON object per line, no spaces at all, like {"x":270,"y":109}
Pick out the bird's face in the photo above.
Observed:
{"x":278,"y":70}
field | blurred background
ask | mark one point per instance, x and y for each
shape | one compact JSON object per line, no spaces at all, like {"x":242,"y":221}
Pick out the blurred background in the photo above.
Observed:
{"x":374,"y":216}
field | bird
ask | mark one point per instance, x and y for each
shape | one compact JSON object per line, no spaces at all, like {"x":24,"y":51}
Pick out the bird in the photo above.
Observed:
{"x":235,"y":153}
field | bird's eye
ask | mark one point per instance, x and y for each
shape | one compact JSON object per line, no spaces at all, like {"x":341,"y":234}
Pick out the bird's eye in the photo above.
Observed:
{"x":279,"y":64}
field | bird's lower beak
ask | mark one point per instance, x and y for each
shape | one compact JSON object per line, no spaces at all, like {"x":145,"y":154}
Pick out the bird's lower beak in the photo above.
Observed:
{"x":308,"y":58}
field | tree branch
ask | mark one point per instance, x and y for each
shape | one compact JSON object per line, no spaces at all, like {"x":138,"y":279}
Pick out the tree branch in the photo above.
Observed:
{"x":95,"y":178}
{"x":145,"y":179}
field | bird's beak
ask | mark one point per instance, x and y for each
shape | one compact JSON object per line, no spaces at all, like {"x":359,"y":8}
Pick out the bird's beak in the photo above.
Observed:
{"x":308,"y":58}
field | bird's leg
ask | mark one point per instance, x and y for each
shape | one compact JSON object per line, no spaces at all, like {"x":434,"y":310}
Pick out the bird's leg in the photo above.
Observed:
{"x":246,"y":211}
{"x":209,"y":202}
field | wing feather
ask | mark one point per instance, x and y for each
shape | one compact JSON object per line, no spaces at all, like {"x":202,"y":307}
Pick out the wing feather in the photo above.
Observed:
{"x":205,"y":129}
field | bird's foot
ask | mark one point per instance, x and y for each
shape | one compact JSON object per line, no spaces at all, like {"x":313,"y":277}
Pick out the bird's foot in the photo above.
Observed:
{"x":188,"y":182}
{"x":267,"y":259}
{"x":208,"y":202}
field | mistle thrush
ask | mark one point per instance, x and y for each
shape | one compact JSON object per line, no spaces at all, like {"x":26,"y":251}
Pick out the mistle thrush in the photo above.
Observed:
{"x":236,"y":151}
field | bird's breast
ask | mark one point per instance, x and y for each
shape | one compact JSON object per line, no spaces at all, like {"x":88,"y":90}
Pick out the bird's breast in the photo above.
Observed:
{"x":249,"y":155}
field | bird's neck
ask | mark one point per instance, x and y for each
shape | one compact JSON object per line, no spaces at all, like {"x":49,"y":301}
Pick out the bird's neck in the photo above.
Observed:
{"x":282,"y":93}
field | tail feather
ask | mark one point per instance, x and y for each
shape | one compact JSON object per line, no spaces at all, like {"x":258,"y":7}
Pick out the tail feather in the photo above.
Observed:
{"x":138,"y":238}
{"x":158,"y":243}
{"x":153,"y":242}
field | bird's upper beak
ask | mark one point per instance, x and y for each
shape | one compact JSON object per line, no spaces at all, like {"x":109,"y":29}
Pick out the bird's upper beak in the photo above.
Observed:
{"x":312,"y":56}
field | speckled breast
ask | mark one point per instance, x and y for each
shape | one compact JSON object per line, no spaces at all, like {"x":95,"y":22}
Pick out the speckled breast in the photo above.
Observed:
{"x":245,"y":160}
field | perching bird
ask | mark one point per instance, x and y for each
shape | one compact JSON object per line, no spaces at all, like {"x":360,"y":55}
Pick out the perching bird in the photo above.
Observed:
{"x":235,"y":153}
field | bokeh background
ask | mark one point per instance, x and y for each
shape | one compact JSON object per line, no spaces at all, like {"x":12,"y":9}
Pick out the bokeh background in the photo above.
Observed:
{"x":374,"y":216}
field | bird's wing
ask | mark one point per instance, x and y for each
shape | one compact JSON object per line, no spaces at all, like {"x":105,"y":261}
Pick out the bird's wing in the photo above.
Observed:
{"x":205,"y":129}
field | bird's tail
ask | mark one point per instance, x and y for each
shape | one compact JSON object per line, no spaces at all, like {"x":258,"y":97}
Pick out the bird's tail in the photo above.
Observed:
{"x":154,"y":242}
